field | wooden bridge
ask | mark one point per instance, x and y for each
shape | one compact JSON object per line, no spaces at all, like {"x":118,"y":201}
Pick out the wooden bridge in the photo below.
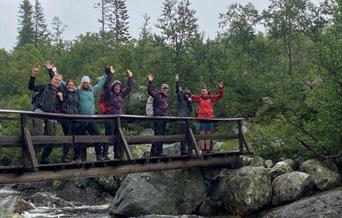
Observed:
{"x":30,"y":171}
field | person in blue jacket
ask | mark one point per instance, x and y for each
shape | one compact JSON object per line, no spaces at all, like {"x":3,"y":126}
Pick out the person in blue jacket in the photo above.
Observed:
{"x":87,"y":107}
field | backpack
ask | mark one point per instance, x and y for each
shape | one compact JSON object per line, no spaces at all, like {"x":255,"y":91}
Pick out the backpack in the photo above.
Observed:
{"x":103,"y":106}
{"x":149,"y":106}
{"x":37,"y":99}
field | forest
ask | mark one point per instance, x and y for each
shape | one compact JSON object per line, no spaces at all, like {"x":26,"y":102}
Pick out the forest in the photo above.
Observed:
{"x":286,"y":81}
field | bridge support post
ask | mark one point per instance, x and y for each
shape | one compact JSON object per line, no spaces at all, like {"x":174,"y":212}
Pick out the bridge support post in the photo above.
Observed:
{"x":29,"y":154}
{"x":121,"y":138}
{"x":192,"y":139}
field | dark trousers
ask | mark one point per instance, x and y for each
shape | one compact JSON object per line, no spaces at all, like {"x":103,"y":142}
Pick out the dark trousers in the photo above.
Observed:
{"x":69,"y":128}
{"x":159,"y":127}
{"x":184,"y":145}
{"x":92,"y":129}
{"x":110,"y":129}
{"x":49,"y":129}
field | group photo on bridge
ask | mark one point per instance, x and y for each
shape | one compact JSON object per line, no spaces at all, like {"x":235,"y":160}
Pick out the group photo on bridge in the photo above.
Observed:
{"x":177,"y":108}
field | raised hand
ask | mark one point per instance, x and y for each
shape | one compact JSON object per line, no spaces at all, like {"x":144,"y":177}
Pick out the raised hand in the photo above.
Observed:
{"x":112,"y":71}
{"x":129,"y":73}
{"x":221,"y":84}
{"x":48,"y":65}
{"x":177,"y":77}
{"x":35,"y":70}
{"x":150,"y":77}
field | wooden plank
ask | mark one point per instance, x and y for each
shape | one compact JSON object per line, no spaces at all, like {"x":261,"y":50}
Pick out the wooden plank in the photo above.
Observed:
{"x":93,"y":139}
{"x":194,"y":142}
{"x":37,"y":140}
{"x":67,"y":174}
{"x":124,"y":143}
{"x":10,"y":141}
{"x":29,"y":149}
{"x":240,"y":135}
{"x":152,"y":139}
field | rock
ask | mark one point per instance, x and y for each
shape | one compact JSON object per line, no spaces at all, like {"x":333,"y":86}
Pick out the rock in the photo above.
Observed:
{"x":291,"y":186}
{"x":269,"y":163}
{"x":47,"y":199}
{"x":13,"y":202}
{"x":110,"y":183}
{"x":326,"y":204}
{"x":323,"y":177}
{"x":6,"y":214}
{"x":209,"y":207}
{"x":257,"y":162}
{"x":281,"y":167}
{"x":246,"y":161}
{"x":169,"y":216}
{"x":171,"y":149}
{"x":246,"y":190}
{"x":167,"y":192}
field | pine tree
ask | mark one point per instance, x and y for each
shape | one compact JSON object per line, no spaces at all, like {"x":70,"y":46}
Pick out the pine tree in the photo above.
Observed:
{"x":103,"y":5}
{"x":58,"y":30}
{"x":145,"y":29}
{"x":118,"y":20}
{"x":41,"y":33}
{"x":26,"y":26}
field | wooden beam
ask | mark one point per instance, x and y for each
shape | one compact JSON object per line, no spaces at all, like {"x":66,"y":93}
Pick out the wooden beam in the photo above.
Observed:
{"x":230,"y":161}
{"x":194,"y":142}
{"x":29,"y":153}
{"x":240,"y":135}
{"x":123,"y":140}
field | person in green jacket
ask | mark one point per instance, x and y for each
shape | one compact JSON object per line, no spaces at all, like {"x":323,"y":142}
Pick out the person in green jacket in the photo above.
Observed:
{"x":87,"y":107}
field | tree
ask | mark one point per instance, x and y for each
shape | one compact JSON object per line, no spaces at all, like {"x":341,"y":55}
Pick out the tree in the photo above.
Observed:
{"x":58,"y":30}
{"x":26,"y":26}
{"x":103,"y":20}
{"x":178,"y":25}
{"x":145,"y":29}
{"x":41,"y":33}
{"x":118,"y":20}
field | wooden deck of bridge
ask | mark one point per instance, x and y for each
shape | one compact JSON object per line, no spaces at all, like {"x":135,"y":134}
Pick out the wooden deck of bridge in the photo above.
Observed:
{"x":31,"y":171}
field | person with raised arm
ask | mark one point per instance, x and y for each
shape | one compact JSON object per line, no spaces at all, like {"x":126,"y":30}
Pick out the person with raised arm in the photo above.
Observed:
{"x":160,"y":108}
{"x":184,"y":109}
{"x":45,"y":101}
{"x":114,"y":97}
{"x":205,"y":103}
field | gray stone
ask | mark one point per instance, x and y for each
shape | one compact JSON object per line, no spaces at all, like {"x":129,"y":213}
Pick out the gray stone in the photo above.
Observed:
{"x":269,"y":163}
{"x":327,"y":204}
{"x":246,"y":161}
{"x":291,"y":186}
{"x":323,"y":177}
{"x":13,"y":201}
{"x":280,"y":168}
{"x":169,"y":192}
{"x":246,"y":190}
{"x":110,"y":183}
{"x":257,"y":162}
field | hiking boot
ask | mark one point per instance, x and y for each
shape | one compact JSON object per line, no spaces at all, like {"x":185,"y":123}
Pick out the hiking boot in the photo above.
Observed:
{"x":77,"y":159}
{"x":106,"y":157}
{"x":66,"y":160}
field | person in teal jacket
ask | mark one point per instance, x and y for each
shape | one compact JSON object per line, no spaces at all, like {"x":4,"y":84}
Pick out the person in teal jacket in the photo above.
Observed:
{"x":87,"y":107}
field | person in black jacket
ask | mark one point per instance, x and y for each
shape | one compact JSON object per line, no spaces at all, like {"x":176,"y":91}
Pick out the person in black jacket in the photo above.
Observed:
{"x":46,"y":101}
{"x":70,"y":105}
{"x":184,"y":109}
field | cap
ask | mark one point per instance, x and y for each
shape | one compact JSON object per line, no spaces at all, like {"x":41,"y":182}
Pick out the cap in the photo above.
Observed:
{"x":164,"y":86}
{"x":85,"y":79}
{"x":186,"y":91}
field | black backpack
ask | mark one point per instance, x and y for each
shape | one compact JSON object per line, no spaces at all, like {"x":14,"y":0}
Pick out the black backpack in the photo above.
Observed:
{"x":44,"y":100}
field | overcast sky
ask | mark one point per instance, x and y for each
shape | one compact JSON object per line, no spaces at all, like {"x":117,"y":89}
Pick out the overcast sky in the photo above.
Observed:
{"x":81,"y":17}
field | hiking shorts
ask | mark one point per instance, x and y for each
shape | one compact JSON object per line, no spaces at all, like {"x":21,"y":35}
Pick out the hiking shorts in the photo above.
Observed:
{"x":206,"y":126}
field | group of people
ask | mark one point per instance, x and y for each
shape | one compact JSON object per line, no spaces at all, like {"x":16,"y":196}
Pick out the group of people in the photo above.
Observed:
{"x":65,"y":97}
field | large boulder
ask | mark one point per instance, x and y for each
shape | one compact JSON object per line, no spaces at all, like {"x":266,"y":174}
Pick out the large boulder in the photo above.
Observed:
{"x":291,"y":186}
{"x":326,"y":204}
{"x":282,"y":167}
{"x":110,"y":184}
{"x":323,"y":175}
{"x":169,"y":192}
{"x":258,"y":162}
{"x":246,"y":190}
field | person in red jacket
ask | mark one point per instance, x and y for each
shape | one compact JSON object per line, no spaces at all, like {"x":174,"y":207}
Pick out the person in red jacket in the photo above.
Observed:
{"x":205,"y":103}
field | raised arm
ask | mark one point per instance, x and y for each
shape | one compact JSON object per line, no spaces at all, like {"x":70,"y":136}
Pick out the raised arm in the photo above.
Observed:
{"x":99,"y":86}
{"x":51,"y":69}
{"x":129,"y":85}
{"x":149,"y":86}
{"x":219,"y":94}
{"x":31,"y":85}
{"x":195,"y":98}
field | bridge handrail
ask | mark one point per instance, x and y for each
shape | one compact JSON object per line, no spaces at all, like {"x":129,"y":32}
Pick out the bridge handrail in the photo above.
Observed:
{"x":106,"y":116}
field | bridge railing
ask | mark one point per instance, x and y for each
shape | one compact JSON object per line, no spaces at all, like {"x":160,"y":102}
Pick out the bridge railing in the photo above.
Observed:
{"x":27,"y":142}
